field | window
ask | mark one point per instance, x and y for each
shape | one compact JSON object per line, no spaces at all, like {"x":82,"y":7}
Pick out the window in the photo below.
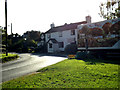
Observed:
{"x":49,"y":35}
{"x":60,"y":34}
{"x":72,"y":32}
{"x":61,"y":44}
{"x":50,"y":45}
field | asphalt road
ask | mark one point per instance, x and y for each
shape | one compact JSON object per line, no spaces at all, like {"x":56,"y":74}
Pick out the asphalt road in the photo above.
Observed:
{"x":27,"y":64}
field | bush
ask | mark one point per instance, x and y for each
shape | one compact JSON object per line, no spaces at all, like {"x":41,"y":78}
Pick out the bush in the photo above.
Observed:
{"x":91,"y":55}
{"x":81,"y":55}
{"x":9,"y":57}
{"x":71,"y":49}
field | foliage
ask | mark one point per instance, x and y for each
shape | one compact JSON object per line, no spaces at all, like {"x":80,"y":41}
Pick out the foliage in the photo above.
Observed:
{"x":85,"y":30}
{"x":110,"y":10}
{"x":3,"y":38}
{"x":8,"y":58}
{"x":106,"y":27}
{"x":108,"y":42}
{"x":115,"y":28}
{"x":81,"y":55}
{"x":17,"y":43}
{"x":31,"y":43}
{"x":96,"y":32}
{"x":21,"y":44}
{"x":70,"y":74}
{"x":71,"y":49}
{"x":32,"y":35}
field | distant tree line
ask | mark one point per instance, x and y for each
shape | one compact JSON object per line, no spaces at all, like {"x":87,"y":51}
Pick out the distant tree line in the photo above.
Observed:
{"x":22,"y":43}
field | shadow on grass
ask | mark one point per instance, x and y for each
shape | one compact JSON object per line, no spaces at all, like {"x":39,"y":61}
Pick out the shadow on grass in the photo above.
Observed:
{"x":92,"y":61}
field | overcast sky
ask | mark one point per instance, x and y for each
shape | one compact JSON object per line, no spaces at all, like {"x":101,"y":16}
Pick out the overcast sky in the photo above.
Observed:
{"x":26,"y":15}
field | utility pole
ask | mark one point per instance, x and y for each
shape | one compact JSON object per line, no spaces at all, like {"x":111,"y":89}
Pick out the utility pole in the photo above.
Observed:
{"x":6,"y":26}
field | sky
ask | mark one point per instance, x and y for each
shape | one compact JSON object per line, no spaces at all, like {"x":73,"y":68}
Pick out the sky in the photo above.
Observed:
{"x":27,"y":15}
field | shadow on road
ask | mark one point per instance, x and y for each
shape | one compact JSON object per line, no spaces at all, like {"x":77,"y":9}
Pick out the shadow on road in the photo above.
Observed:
{"x":49,"y":54}
{"x":89,"y":61}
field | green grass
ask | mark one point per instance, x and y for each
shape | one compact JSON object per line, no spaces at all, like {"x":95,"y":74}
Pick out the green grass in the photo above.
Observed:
{"x":70,"y":74}
{"x":8,"y":58}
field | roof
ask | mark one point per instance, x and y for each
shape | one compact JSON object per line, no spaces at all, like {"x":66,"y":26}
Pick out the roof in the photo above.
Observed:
{"x":65,"y":27}
{"x":53,"y":40}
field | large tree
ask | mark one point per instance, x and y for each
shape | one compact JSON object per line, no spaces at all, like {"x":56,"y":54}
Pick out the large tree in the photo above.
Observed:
{"x":106,"y":27}
{"x":96,"y":32}
{"x":85,"y":30}
{"x":115,"y":28}
{"x":110,"y":9}
{"x":32,"y":35}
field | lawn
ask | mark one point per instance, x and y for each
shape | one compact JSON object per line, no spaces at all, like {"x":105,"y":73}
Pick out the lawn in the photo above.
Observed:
{"x":70,"y":73}
{"x":8,"y":58}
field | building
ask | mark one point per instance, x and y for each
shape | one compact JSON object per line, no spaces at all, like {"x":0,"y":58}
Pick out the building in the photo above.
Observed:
{"x":57,"y":38}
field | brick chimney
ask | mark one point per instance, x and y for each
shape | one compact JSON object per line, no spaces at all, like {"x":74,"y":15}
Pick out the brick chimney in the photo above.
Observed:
{"x":52,"y":25}
{"x":88,"y":19}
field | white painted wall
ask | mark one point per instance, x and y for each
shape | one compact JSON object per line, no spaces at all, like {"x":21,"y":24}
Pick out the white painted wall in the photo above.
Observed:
{"x":50,"y":50}
{"x":55,"y":47}
{"x":67,"y":38}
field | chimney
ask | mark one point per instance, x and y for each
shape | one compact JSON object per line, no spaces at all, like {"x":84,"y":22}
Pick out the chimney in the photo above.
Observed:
{"x":65,"y":24}
{"x":52,"y":25}
{"x":88,"y":19}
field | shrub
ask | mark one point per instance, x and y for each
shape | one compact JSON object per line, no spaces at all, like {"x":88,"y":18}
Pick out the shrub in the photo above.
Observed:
{"x":85,"y":55}
{"x":97,"y":54}
{"x":71,"y":49}
{"x":9,"y":57}
{"x":81,"y":55}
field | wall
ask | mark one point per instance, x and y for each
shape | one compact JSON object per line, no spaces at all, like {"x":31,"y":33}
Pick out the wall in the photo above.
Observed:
{"x":67,"y":38}
{"x":49,"y":49}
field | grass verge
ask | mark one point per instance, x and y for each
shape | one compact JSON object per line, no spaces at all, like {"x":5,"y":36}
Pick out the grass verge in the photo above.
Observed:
{"x":10,"y":57}
{"x":70,"y":74}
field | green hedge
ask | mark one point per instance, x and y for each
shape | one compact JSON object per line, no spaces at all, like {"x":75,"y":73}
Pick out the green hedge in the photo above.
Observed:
{"x":71,"y":49}
{"x":81,"y":55}
{"x":8,"y":58}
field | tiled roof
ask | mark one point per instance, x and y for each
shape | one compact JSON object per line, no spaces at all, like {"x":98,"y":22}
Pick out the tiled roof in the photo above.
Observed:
{"x":53,"y":40}
{"x":65,"y":27}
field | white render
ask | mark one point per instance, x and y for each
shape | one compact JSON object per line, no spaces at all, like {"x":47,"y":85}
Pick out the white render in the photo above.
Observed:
{"x":54,"y":48}
{"x":66,"y":38}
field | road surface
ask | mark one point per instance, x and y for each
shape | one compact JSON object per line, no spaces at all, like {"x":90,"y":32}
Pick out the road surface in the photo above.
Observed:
{"x":26,"y":64}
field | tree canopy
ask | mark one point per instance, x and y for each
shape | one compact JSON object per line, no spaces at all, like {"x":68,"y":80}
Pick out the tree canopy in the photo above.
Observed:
{"x":110,"y":9}
{"x":33,"y":35}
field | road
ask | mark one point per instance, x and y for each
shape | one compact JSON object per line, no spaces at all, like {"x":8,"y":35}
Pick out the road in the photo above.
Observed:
{"x":26,"y":64}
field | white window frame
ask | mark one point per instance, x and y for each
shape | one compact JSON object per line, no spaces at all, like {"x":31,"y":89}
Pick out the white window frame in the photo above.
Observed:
{"x":60,"y":34}
{"x":72,"y":32}
{"x":49,"y":35}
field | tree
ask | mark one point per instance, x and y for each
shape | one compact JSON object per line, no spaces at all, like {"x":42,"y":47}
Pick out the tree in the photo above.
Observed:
{"x":85,"y":30}
{"x":33,"y":35}
{"x":115,"y":28}
{"x":106,"y":27}
{"x":96,"y":32}
{"x":110,"y":9}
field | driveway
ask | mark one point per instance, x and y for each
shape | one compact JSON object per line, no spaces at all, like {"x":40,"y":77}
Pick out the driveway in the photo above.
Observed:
{"x":26,"y":64}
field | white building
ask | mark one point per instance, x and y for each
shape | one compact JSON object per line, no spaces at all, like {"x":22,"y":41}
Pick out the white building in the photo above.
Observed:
{"x":57,"y":38}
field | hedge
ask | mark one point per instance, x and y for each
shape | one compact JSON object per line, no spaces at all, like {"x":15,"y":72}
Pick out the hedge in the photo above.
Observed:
{"x":10,"y":57}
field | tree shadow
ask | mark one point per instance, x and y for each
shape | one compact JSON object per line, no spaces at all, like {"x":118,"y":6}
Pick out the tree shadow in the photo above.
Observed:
{"x":93,"y":61}
{"x":49,"y":54}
